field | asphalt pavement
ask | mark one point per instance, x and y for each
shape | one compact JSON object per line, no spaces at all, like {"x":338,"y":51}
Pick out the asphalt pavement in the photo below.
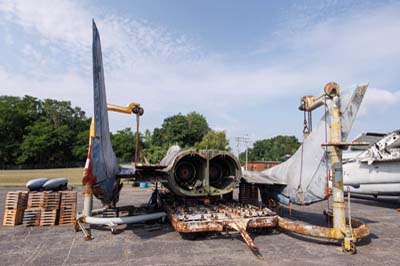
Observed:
{"x":142,"y":245}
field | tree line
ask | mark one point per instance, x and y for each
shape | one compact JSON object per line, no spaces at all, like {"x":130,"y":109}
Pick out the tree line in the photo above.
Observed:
{"x":278,"y":148}
{"x":41,"y":132}
{"x":49,"y":133}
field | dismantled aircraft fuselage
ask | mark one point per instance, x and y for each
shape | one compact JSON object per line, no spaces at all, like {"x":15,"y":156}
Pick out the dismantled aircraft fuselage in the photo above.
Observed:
{"x":210,"y":176}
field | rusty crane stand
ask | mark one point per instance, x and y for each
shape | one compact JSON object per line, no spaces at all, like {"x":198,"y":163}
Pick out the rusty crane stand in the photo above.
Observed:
{"x":345,"y":229}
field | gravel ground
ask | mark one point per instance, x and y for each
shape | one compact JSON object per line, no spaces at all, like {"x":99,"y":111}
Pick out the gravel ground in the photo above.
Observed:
{"x":136,"y":245}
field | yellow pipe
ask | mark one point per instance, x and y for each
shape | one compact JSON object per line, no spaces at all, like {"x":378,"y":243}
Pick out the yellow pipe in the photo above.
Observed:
{"x":121,"y":109}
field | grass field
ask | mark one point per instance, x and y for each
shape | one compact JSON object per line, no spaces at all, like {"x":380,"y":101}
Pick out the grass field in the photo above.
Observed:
{"x":18,"y":178}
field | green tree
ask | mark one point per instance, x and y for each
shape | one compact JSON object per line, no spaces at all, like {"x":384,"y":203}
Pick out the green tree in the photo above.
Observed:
{"x":123,"y":143}
{"x":174,"y":130}
{"x":36,"y":131}
{"x":81,"y":145}
{"x":214,"y":140}
{"x":15,"y":115}
{"x":183,"y":130}
{"x":197,"y":128}
{"x":154,"y":154}
{"x":273,"y":149}
{"x":45,"y":144}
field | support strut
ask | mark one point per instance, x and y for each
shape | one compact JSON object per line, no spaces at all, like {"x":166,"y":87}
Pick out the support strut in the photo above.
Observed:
{"x":87,"y":216}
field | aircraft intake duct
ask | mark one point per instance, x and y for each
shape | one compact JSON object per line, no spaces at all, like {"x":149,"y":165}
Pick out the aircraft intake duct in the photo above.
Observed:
{"x":201,"y":172}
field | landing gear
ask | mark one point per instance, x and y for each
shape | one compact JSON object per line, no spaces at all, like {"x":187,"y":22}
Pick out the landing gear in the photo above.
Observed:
{"x":349,"y":246}
{"x":155,"y":201}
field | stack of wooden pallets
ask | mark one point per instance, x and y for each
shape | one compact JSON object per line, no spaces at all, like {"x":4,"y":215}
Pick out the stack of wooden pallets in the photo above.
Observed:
{"x":68,"y":207}
{"x":43,"y":208}
{"x":51,"y":205}
{"x":16,"y":203}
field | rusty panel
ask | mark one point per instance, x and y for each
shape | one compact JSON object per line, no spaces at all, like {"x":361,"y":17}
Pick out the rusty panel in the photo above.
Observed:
{"x":217,"y":217}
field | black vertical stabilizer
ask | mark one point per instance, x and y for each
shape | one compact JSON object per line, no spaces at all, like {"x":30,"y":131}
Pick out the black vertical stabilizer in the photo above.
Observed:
{"x":103,"y":159}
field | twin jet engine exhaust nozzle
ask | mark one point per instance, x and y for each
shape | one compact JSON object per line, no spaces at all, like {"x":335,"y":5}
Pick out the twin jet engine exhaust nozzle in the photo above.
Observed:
{"x":201,"y":172}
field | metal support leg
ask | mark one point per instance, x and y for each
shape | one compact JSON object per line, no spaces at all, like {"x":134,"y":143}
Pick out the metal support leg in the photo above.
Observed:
{"x":241,"y":226}
{"x":88,"y":202}
{"x":86,"y":233}
{"x":87,"y":211}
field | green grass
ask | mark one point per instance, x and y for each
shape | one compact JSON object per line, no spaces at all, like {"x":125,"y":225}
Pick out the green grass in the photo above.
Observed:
{"x":18,"y":178}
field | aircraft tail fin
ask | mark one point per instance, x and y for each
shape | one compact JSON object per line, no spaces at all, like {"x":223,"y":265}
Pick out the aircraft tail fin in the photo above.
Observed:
{"x":101,"y":166}
{"x":305,"y":173}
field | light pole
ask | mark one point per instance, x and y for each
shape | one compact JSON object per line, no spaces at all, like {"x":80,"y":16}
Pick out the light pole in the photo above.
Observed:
{"x":245,"y":139}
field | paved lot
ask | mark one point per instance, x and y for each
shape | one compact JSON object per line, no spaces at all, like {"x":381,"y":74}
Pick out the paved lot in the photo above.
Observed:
{"x":60,"y":245}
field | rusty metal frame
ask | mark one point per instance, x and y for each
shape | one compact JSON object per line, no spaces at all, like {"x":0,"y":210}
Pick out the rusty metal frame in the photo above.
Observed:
{"x":344,"y":228}
{"x":219,"y":217}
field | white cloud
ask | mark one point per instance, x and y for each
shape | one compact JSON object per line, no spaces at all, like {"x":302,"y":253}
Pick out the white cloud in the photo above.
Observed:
{"x":167,"y":72}
{"x":8,"y":39}
{"x":64,"y":21}
{"x":379,"y":101}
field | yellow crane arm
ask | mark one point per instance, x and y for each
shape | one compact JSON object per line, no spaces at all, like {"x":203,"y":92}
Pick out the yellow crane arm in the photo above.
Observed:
{"x":120,"y":109}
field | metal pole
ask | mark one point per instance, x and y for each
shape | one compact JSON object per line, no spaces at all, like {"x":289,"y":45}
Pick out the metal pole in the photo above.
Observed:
{"x":339,"y":220}
{"x":137,"y":139}
{"x":124,"y":220}
{"x":246,"y":157}
{"x":88,"y":201}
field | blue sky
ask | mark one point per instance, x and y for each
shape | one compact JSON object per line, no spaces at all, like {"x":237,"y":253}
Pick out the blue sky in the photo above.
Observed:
{"x":243,"y":64}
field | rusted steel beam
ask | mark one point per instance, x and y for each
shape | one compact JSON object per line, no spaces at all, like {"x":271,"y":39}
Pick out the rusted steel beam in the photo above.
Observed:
{"x":308,"y":230}
{"x":344,"y":144}
{"x":360,"y":230}
{"x":241,"y":227}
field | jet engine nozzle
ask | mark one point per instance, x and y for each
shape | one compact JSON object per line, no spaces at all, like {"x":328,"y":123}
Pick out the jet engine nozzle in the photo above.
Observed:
{"x":201,"y":172}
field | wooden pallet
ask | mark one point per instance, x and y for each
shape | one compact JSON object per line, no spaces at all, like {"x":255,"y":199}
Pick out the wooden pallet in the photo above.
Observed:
{"x":67,"y":216}
{"x":68,"y":197}
{"x":68,"y":207}
{"x":51,"y":200}
{"x":16,"y":200}
{"x":13,"y":217}
{"x":36,"y":199}
{"x":32,"y":217}
{"x":48,"y":217}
